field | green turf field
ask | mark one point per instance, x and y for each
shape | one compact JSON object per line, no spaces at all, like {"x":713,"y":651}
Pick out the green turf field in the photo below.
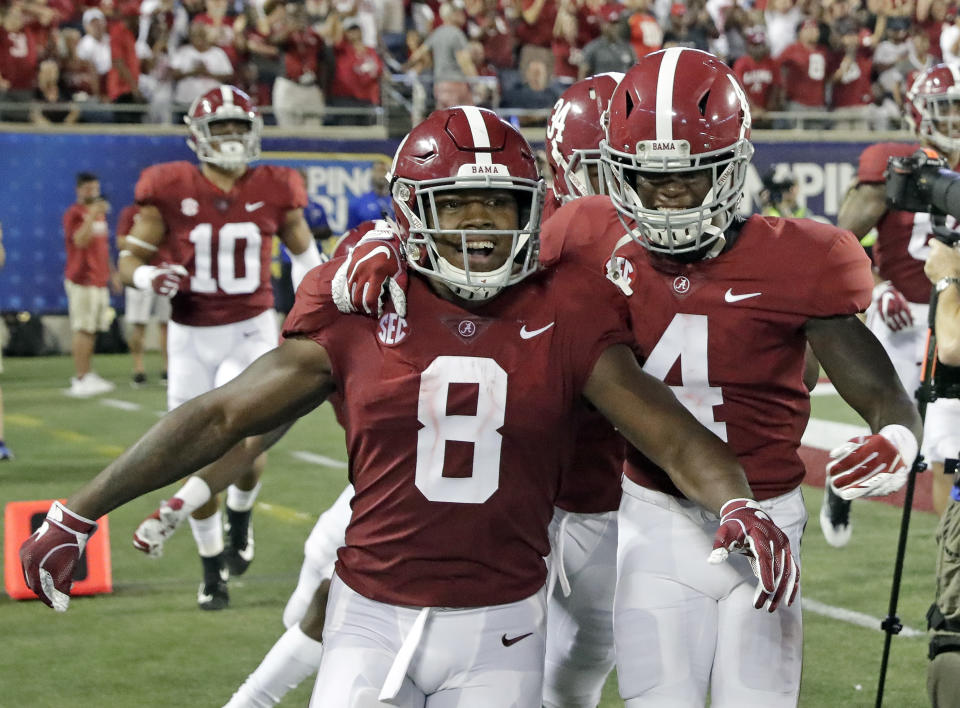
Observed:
{"x":148,"y":645}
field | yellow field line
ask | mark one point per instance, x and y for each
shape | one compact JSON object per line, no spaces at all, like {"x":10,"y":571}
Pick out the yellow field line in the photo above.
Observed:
{"x":285,"y":513}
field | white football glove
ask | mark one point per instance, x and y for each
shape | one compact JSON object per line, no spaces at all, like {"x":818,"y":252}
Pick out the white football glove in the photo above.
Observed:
{"x":893,"y":307}
{"x":372,"y":267}
{"x":872,"y":465}
{"x":154,"y":530}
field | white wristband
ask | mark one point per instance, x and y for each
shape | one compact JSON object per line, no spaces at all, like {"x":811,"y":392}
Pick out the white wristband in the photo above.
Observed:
{"x":903,"y":440}
{"x":879,"y":288}
{"x":303,"y":263}
{"x":143,"y":277}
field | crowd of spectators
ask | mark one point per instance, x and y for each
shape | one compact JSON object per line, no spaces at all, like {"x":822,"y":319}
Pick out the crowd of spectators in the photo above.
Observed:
{"x":328,"y":61}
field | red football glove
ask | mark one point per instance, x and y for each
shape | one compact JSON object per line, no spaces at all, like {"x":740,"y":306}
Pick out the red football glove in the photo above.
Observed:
{"x":49,"y":557}
{"x":872,"y":465}
{"x":166,"y":279}
{"x":746,"y":528}
{"x":893,"y":307}
{"x":373,"y":266}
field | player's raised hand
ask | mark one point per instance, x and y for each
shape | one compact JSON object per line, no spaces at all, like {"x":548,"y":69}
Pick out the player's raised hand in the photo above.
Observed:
{"x":49,"y":557}
{"x":893,"y":307}
{"x":872,"y":465}
{"x":373,"y":268}
{"x":746,"y":528}
{"x":166,"y":279}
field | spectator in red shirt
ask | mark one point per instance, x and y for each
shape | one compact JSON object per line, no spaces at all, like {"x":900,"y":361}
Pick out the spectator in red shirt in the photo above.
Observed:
{"x":851,"y":70}
{"x":760,"y":75}
{"x":222,"y":33}
{"x":19,"y":61}
{"x":356,"y":81}
{"x":803,"y":68}
{"x":298,"y":96}
{"x":487,"y":24}
{"x":646,"y":35}
{"x":86,"y":277}
{"x":123,"y":79}
{"x":534,"y":31}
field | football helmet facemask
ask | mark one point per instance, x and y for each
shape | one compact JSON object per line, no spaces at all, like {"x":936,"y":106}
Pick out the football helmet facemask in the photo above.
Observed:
{"x":933,"y":107}
{"x":458,"y":149}
{"x":230,"y":151}
{"x":574,"y":131}
{"x":678,"y":112}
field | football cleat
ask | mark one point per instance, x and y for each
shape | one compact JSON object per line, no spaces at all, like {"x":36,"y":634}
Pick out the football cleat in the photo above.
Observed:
{"x":153,"y":531}
{"x":238,"y":547}
{"x":835,"y":519}
{"x":138,"y":380}
{"x":212,"y":593}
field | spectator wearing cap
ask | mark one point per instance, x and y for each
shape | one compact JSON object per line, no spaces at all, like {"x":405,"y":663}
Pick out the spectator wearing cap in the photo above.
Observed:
{"x":452,"y":64}
{"x":850,"y":70}
{"x":357,"y":71}
{"x":94,"y":46}
{"x":19,"y":59}
{"x":198,"y":66}
{"x":685,"y":30}
{"x":610,"y":51}
{"x":781,"y":18}
{"x":298,"y":94}
{"x":803,"y":67}
{"x":646,"y":35}
{"x":760,"y":75}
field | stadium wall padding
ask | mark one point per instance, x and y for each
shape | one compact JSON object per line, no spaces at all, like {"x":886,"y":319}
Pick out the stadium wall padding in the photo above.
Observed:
{"x":37,"y":172}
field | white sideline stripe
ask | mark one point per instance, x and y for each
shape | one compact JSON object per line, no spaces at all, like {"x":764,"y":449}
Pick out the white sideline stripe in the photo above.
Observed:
{"x":122,"y":405}
{"x":858,"y":618}
{"x":316,"y":459}
{"x":827,"y":435}
{"x":824,"y":389}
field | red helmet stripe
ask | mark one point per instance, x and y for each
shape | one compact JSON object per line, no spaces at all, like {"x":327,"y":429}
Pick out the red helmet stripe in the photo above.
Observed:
{"x":478,"y":129}
{"x":668,"y":69}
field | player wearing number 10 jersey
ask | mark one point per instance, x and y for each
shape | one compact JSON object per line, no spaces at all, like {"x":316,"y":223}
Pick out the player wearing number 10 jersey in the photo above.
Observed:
{"x":217,"y":221}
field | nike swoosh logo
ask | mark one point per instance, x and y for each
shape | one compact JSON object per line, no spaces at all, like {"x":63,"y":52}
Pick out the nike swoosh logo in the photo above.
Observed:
{"x":730,"y":297}
{"x":513,"y":640}
{"x":253,"y":206}
{"x":530,"y":334}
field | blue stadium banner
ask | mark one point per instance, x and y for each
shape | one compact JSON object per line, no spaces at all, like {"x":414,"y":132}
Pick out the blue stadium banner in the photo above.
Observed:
{"x":37,"y":172}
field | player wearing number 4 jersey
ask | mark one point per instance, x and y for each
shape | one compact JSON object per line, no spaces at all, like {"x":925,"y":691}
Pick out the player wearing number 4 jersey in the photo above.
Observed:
{"x":217,"y":222}
{"x":458,"y":429}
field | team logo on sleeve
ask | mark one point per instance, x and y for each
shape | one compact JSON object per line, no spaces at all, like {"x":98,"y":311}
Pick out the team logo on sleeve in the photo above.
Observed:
{"x":393,"y":329}
{"x":189,"y":207}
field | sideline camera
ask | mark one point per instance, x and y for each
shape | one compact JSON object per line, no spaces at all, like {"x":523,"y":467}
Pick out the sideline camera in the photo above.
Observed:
{"x":922,"y":182}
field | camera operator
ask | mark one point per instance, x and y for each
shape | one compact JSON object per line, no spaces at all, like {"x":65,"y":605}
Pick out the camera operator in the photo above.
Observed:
{"x":943,"y":673}
{"x":898,"y":313}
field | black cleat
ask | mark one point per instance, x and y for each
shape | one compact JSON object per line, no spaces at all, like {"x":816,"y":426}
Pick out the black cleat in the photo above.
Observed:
{"x":238,"y":545}
{"x":835,"y":519}
{"x":138,"y":380}
{"x":212,"y":594}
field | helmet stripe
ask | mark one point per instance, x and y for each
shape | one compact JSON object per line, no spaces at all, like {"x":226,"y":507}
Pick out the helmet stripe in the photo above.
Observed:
{"x":227,"y":95}
{"x":478,"y":129}
{"x":668,"y":69}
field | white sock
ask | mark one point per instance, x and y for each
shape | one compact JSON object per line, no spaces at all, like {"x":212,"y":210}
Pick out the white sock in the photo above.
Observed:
{"x":194,"y":493}
{"x":240,"y":500}
{"x":293,"y":658}
{"x":208,"y":533}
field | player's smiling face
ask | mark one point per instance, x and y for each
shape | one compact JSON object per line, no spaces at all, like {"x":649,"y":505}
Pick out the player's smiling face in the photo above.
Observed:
{"x":680,"y":190}
{"x":469,"y":210}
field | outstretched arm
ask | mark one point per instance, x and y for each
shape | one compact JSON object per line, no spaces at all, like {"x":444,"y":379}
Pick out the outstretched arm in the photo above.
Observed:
{"x":280,"y":386}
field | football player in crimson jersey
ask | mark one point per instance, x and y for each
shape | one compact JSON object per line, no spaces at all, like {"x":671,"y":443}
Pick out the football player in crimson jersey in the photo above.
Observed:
{"x":579,"y":652}
{"x":723,"y":309}
{"x":898,"y":310}
{"x":457,"y":450}
{"x":217,"y":222}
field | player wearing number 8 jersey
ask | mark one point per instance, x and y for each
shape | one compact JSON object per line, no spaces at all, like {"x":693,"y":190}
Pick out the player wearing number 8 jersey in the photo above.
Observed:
{"x":217,"y":221}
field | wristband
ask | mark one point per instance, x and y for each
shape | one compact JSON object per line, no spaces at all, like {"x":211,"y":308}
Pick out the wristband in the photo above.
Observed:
{"x":303,"y":263}
{"x":143,"y":277}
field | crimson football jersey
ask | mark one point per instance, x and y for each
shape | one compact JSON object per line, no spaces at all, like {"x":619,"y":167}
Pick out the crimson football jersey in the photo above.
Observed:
{"x":458,"y":426}
{"x":902,"y":236}
{"x":759,"y":78}
{"x":727,"y":333}
{"x":224,"y":239}
{"x":804,"y":74}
